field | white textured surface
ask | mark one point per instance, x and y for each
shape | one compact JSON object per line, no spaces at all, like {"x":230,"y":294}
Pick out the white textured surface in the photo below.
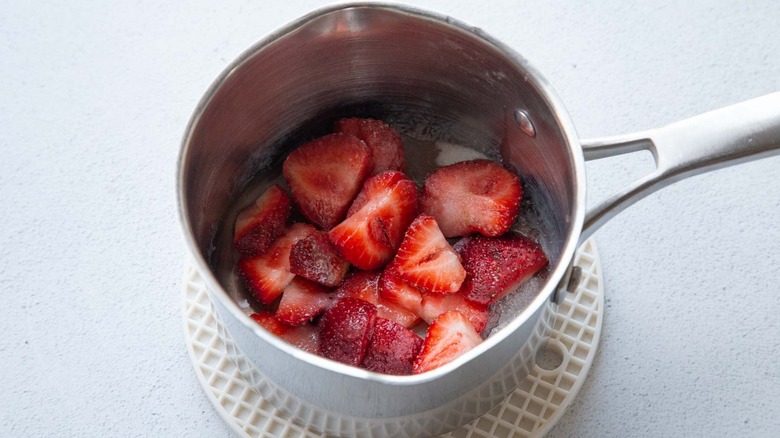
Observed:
{"x":94,"y":97}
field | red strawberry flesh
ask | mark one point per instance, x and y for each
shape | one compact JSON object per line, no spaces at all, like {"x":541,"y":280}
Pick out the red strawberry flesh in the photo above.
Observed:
{"x":396,"y":291}
{"x":448,"y":337}
{"x":324,"y":176}
{"x":434,"y":305}
{"x":392,"y":349}
{"x":316,"y":259}
{"x":477,"y":196}
{"x":375,"y":224}
{"x":305,"y":337}
{"x":387,"y":149}
{"x":498,"y":265}
{"x":426,"y":261}
{"x":302,"y":300}
{"x":364,"y":285}
{"x":268,"y":274}
{"x":345,"y":330}
{"x":261,"y":223}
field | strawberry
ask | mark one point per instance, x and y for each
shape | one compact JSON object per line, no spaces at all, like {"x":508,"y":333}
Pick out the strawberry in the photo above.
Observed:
{"x":345,"y":330}
{"x":325,"y":174}
{"x":426,"y":261}
{"x":261,"y":223}
{"x":302,"y":300}
{"x":433,"y":305}
{"x":305,"y":337}
{"x":497,"y":265}
{"x":268,"y":274}
{"x":449,"y":336}
{"x":477,"y":196}
{"x":316,"y":259}
{"x":364,"y":285}
{"x":375,"y":224}
{"x":392,"y":349}
{"x":387,"y":149}
{"x":395,"y":291}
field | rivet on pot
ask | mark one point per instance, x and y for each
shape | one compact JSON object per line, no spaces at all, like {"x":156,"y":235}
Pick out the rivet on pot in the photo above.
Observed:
{"x":525,"y":122}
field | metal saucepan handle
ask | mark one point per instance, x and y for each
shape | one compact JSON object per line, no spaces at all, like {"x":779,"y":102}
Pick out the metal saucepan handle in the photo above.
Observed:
{"x":735,"y":134}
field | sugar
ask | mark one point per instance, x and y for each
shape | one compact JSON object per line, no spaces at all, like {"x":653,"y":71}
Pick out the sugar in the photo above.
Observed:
{"x":507,"y":309}
{"x":450,"y":153}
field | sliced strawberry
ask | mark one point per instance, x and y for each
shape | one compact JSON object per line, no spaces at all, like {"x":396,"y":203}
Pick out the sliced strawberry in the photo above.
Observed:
{"x":477,"y":196}
{"x":261,"y":223}
{"x":426,"y":261}
{"x":268,"y":320}
{"x":305,"y":337}
{"x":497,"y":265}
{"x":434,"y":305}
{"x":302,"y":300}
{"x":268,"y":274}
{"x":396,"y":291}
{"x":369,"y":236}
{"x":345,"y":330}
{"x":392,"y":349}
{"x":387,"y":149}
{"x":448,"y":337}
{"x":325,"y":174}
{"x":316,"y":259}
{"x":364,"y":285}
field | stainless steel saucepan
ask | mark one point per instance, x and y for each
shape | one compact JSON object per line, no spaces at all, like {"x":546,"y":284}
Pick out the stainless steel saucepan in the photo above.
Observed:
{"x":436,"y":79}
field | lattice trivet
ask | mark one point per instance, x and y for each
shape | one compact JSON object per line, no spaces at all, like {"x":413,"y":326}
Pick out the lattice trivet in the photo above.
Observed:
{"x":530,"y":411}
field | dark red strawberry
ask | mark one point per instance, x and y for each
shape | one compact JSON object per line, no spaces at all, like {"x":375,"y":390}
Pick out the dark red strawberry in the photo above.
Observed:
{"x":434,"y":305}
{"x":477,"y":196}
{"x":268,"y":274}
{"x":325,"y":174}
{"x":302,"y":300}
{"x":345,"y":330}
{"x":426,"y":261}
{"x":392,"y":349}
{"x":364,"y":285}
{"x":261,"y":223}
{"x":497,"y":265}
{"x":316,"y":259}
{"x":387,"y":149}
{"x":448,"y":337}
{"x":305,"y":337}
{"x":375,"y":224}
{"x":396,"y":291}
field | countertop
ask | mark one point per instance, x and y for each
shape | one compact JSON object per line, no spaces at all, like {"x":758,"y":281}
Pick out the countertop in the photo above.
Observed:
{"x":95,"y":96}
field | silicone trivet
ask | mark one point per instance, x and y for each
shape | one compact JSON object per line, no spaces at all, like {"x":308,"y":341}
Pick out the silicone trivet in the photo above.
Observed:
{"x":530,"y":411}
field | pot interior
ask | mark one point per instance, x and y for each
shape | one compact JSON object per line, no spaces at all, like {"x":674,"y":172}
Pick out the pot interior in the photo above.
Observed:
{"x":436,"y":81}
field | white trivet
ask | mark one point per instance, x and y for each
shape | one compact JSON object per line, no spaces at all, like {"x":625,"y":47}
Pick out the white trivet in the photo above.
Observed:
{"x":530,"y":411}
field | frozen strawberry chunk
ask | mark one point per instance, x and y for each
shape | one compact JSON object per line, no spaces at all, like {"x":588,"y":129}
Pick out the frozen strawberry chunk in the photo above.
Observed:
{"x":316,"y":259}
{"x":426,"y":261}
{"x":434,"y":305}
{"x":496,"y":266}
{"x":302,"y":300}
{"x":364,"y":285}
{"x":477,"y":196}
{"x":449,"y":336}
{"x":261,"y":223}
{"x":324,"y":176}
{"x":392,"y":349}
{"x":387,"y":149}
{"x":396,"y":291}
{"x":345,"y":330}
{"x":369,"y":236}
{"x":268,"y":274}
{"x":304,"y":337}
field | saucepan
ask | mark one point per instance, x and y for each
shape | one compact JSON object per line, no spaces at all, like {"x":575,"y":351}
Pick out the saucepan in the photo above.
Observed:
{"x":437,"y":80}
